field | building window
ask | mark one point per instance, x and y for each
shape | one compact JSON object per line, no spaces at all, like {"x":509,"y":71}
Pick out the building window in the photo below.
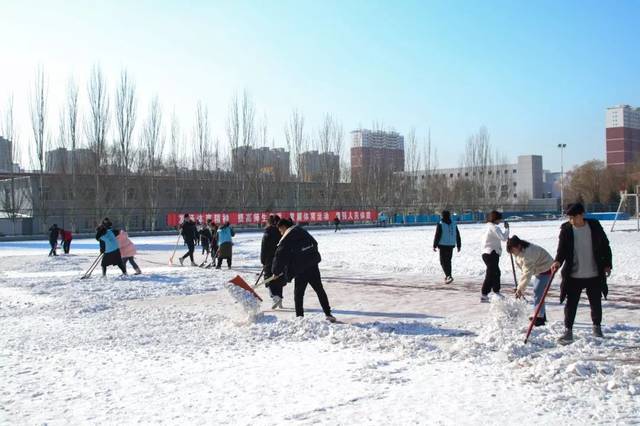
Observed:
{"x":515,"y":183}
{"x":515,"y":171}
{"x":450,"y":175}
{"x":466,"y":174}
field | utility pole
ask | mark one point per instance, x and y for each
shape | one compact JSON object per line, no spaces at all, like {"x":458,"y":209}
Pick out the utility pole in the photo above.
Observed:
{"x":562,"y":146}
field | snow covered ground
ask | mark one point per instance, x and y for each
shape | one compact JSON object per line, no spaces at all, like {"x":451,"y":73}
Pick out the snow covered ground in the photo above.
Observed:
{"x":172,"y":346}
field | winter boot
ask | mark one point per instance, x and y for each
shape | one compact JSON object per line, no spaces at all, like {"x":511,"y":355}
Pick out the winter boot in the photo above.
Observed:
{"x":138,"y":271}
{"x":540,"y":322}
{"x":181,"y":261}
{"x":448,"y":280}
{"x":194,"y":264}
{"x":331,"y":318}
{"x":484,"y":299}
{"x":597,"y":331}
{"x":277,"y":302}
{"x":567,"y":337}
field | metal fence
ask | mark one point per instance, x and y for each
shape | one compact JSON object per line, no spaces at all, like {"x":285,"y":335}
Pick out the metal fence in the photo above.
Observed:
{"x":84,"y":220}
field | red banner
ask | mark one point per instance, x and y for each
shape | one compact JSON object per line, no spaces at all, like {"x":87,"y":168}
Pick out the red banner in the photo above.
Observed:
{"x":254,"y":218}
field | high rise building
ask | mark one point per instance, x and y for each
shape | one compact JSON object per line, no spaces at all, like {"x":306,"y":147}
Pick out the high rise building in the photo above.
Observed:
{"x":622,"y":136}
{"x":274,"y":162}
{"x":316,"y":166}
{"x":61,"y":161}
{"x":6,"y":160}
{"x":376,"y":150}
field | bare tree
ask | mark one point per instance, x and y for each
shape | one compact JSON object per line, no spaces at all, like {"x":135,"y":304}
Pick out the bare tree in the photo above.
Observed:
{"x":241,"y":138}
{"x":38,"y":110}
{"x":202,"y":148}
{"x":72,"y":137}
{"x":96,"y":128}
{"x":176,"y":158}
{"x":478,"y":162}
{"x":125,"y":113}
{"x":407,"y":183}
{"x":13,"y":201}
{"x":153,"y":144}
{"x":593,"y":182}
{"x":330,"y":140}
{"x":297,"y":144}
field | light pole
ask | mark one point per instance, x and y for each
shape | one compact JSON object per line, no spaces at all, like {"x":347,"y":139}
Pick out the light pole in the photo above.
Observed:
{"x":562,"y":146}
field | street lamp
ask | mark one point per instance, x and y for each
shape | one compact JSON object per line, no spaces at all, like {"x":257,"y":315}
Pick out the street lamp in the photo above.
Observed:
{"x":562,"y":146}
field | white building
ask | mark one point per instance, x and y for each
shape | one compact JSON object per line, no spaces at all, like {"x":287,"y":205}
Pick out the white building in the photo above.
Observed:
{"x":519,"y":181}
{"x":623,"y":116}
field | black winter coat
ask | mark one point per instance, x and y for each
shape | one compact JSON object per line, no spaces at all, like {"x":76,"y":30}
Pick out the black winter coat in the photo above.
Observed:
{"x":297,"y":251}
{"x":601,"y":254}
{"x":54,"y":232}
{"x":205,"y":236}
{"x":270,"y":240}
{"x":189,"y":231}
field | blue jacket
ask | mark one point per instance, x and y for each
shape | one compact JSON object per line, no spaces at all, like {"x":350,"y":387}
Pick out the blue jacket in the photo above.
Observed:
{"x":110,"y":242}
{"x":224,"y":235}
{"x":447,"y":234}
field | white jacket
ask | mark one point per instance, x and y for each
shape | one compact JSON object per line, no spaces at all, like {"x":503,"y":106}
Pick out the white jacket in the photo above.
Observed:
{"x":532,"y":261}
{"x":492,"y":239}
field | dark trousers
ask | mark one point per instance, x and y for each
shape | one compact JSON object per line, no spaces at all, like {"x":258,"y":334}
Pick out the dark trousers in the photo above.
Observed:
{"x":54,"y":245}
{"x":120,"y":265}
{"x":132,"y":261}
{"x":191,"y":246}
{"x":574,"y":287}
{"x":312,"y":277}
{"x":206,"y":246}
{"x":492,"y":276}
{"x":275,"y":286}
{"x":66,"y":246}
{"x":220,"y":262}
{"x":446,"y":252}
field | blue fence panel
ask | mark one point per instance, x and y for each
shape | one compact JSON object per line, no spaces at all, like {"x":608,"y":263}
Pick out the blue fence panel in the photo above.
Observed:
{"x":607,"y":216}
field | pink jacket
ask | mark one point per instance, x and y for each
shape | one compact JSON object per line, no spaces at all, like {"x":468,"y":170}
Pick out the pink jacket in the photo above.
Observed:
{"x":127,"y":248}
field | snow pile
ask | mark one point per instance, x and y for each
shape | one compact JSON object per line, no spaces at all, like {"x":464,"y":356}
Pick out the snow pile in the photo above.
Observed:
{"x":365,"y":336}
{"x":166,"y":346}
{"x":500,"y":337}
{"x":248,"y":302}
{"x":605,"y":369}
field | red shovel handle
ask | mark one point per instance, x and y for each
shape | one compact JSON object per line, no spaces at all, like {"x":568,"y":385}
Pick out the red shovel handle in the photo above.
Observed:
{"x":539,"y":307}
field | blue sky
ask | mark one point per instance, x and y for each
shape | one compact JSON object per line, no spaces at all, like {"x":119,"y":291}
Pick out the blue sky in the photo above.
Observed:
{"x":535,"y":73}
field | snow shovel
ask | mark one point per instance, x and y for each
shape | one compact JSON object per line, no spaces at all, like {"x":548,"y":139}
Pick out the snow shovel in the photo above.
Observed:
{"x":205,"y":260}
{"x":175,"y":248}
{"x":515,"y":279}
{"x":513,"y":267}
{"x":243,"y":285}
{"x":267,"y":281}
{"x":259,"y":276}
{"x":539,"y":307}
{"x":92,"y":267}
